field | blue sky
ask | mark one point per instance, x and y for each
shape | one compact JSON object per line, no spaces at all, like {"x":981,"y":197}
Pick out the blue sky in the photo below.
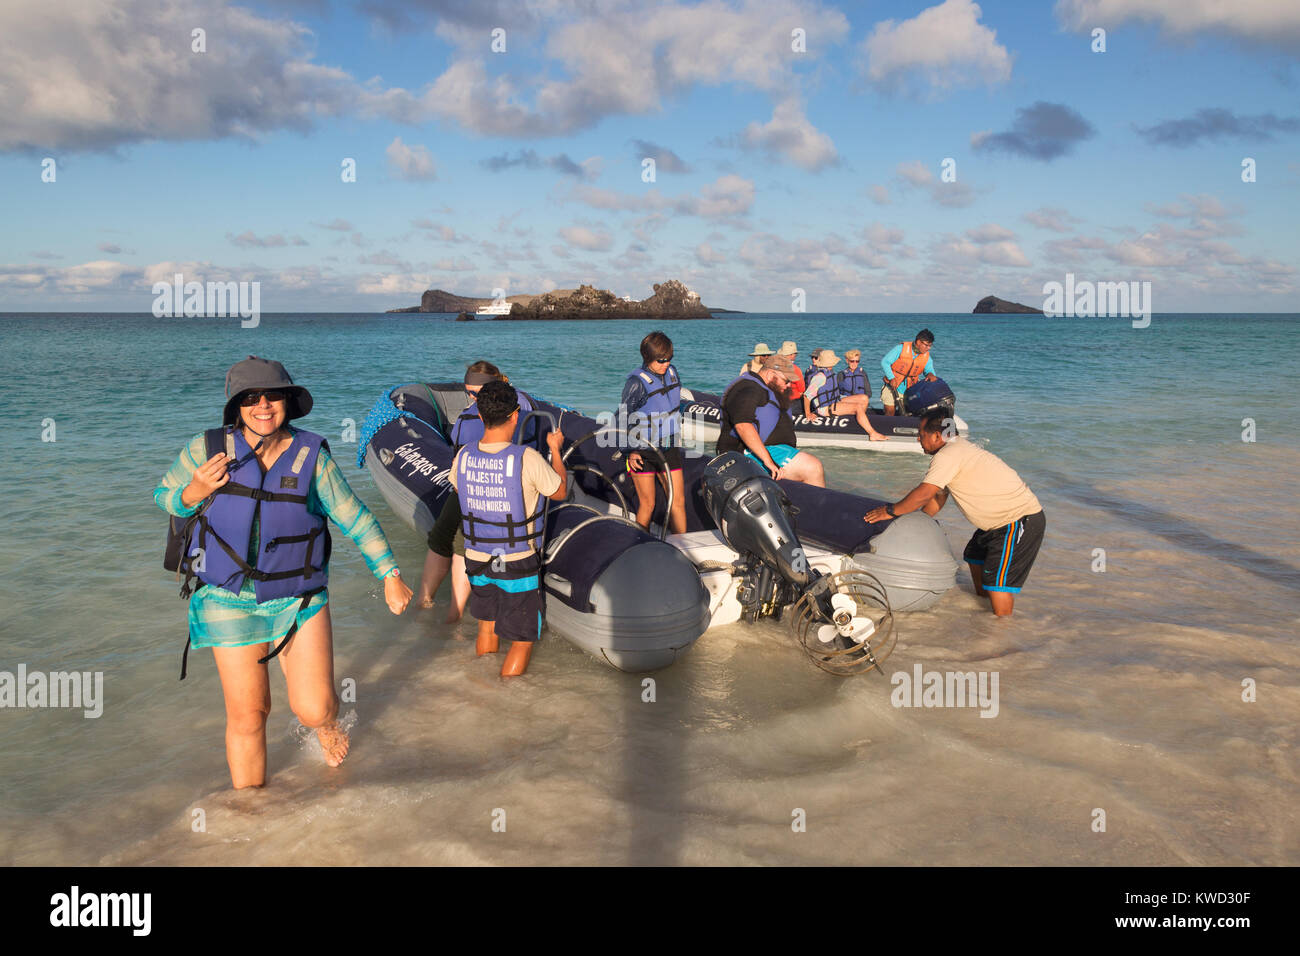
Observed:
{"x":776,"y":169}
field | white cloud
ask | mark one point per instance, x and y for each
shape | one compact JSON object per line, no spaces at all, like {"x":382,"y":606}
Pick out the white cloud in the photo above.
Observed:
{"x":100,"y":75}
{"x":623,"y":60}
{"x":789,"y":135}
{"x":727,"y":197}
{"x":956,"y":194}
{"x":915,"y":172}
{"x":413,"y":163}
{"x":879,"y":195}
{"x":1050,"y":217}
{"x":1271,"y":22}
{"x":707,"y":256}
{"x":940,"y":48}
{"x":593,"y":240}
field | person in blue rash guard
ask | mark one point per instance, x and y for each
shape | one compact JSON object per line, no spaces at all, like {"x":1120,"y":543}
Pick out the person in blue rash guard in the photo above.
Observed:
{"x":248,"y":507}
{"x":650,"y":401}
{"x":904,"y":365}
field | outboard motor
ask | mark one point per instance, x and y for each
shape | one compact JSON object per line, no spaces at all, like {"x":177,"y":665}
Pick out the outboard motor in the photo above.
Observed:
{"x":754,"y":516}
{"x":924,"y":396}
{"x":756,"y":519}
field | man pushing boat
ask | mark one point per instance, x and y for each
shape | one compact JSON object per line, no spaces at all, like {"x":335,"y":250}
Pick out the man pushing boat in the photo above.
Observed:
{"x":1008,"y":519}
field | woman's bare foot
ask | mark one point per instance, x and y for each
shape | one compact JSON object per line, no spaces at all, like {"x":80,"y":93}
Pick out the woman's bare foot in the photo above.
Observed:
{"x":453,"y":615}
{"x":877,"y":436}
{"x":334,"y":741}
{"x":424,"y":601}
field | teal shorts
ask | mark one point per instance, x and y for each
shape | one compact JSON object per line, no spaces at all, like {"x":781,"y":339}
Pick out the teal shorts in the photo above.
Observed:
{"x":781,"y":454}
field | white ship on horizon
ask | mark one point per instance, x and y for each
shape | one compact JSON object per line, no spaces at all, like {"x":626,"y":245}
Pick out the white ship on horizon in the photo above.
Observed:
{"x":496,"y":308}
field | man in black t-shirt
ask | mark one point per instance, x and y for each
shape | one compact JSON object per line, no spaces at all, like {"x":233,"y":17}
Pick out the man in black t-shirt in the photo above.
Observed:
{"x":755,"y":420}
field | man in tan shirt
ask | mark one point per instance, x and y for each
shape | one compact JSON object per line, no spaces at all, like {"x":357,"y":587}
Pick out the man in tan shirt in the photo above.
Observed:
{"x":1008,"y":519}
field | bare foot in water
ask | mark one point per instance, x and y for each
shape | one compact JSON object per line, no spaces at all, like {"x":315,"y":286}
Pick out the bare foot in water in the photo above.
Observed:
{"x":487,"y":639}
{"x":453,"y":616}
{"x":424,"y":601}
{"x":334,"y":741}
{"x":517,"y":658}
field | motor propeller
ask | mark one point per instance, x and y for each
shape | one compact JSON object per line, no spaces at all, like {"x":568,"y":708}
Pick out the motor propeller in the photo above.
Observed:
{"x":845,"y":622}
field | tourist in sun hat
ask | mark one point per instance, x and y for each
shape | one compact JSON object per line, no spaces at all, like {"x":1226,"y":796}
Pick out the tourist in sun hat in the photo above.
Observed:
{"x":823,"y":397}
{"x":791,"y":351}
{"x":761,"y":350}
{"x":251,"y":499}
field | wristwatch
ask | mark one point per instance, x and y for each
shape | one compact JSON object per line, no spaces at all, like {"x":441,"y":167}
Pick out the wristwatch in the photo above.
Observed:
{"x":395,"y":573}
{"x":889,"y":510}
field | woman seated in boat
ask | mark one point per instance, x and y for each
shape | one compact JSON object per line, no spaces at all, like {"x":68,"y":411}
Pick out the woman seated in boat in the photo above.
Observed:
{"x":651,"y":407}
{"x":823,"y":398}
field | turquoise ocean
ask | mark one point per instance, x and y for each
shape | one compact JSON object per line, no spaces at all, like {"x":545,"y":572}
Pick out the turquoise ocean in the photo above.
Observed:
{"x":1163,"y":690}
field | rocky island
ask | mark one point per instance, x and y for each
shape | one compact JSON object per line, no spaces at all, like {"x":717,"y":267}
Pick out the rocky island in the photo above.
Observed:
{"x":992,"y":304}
{"x":671,"y":300}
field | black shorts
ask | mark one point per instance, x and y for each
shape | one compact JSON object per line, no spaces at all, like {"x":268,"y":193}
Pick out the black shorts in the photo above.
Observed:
{"x":652,"y":458}
{"x":508,"y":595}
{"x":1007,"y":553}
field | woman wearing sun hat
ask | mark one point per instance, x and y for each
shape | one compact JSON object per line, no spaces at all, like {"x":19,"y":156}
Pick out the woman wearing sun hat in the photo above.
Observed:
{"x":823,"y":396}
{"x":255,"y":495}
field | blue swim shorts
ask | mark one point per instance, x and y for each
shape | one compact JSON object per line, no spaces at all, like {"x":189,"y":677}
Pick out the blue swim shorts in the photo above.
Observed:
{"x":781,"y":454}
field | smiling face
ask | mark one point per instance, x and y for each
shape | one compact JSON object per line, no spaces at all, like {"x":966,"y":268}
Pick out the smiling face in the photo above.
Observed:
{"x":266,"y":416}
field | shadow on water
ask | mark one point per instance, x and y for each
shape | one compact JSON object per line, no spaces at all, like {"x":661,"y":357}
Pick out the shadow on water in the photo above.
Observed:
{"x":654,"y":765}
{"x":1173,"y":528}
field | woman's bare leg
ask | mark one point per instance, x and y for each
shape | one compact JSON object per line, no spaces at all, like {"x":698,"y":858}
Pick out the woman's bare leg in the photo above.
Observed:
{"x":308,"y":664}
{"x":856,"y":405}
{"x":677,"y":519}
{"x":645,"y":497}
{"x":247,"y":691}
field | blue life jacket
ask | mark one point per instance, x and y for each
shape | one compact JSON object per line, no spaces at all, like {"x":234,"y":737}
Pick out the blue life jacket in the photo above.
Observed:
{"x":829,"y":393}
{"x":494,"y":515}
{"x":293,"y":544}
{"x":768,"y":414}
{"x":469,"y":428}
{"x":663,"y":403}
{"x":852,"y":381}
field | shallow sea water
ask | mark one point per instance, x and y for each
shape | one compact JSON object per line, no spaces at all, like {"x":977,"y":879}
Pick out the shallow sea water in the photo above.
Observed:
{"x":1119,"y":691}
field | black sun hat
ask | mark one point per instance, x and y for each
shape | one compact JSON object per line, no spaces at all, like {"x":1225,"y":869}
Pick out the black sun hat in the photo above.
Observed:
{"x":255,"y":374}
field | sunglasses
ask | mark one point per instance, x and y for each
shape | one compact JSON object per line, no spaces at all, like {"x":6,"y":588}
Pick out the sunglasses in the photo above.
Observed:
{"x":252,"y":398}
{"x":660,"y":360}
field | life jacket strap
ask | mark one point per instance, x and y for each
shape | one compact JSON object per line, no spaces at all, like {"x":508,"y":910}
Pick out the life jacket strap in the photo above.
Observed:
{"x":259,"y":494}
{"x":293,"y":629}
{"x":509,"y":524}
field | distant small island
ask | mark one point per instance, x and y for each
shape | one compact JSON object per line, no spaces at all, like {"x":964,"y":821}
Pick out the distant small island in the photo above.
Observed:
{"x":992,"y":304}
{"x":671,"y":300}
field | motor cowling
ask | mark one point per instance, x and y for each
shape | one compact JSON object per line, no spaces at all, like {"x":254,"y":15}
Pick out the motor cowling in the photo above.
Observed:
{"x":925,"y":396}
{"x":755,"y":516}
